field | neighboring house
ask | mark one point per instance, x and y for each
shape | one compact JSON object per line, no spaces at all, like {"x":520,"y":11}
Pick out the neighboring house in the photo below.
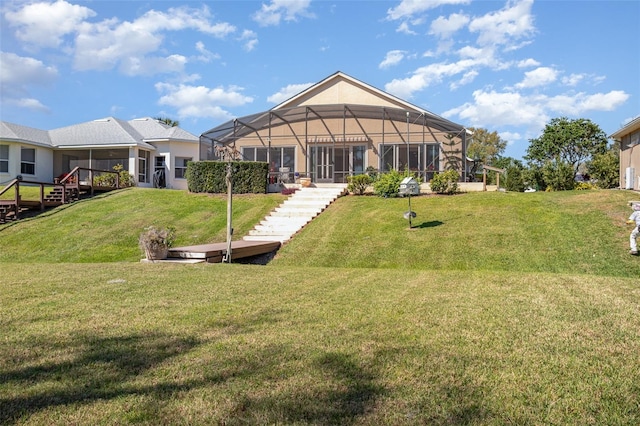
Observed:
{"x":154,"y":153}
{"x":341,"y":127}
{"x":629,"y":137}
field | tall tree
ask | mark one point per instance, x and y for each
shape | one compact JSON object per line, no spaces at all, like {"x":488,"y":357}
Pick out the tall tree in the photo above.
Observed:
{"x":485,"y":148}
{"x":567,"y":141}
{"x":169,"y":122}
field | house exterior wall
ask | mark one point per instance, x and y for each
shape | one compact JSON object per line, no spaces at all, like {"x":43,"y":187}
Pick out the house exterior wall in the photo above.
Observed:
{"x":330,"y":136}
{"x":630,"y":161}
{"x":341,"y":92}
{"x":43,"y":162}
{"x":173,"y":152}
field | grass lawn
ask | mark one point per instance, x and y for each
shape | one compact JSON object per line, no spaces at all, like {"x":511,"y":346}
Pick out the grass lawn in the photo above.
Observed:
{"x":437,"y":328}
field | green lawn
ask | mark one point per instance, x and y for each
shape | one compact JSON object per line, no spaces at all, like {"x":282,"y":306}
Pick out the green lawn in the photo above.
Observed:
{"x":106,"y":228}
{"x":458,"y":321}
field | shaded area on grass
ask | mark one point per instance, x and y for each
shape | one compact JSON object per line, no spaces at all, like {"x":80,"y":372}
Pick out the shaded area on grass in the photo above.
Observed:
{"x":239,"y":344}
{"x":99,"y":369}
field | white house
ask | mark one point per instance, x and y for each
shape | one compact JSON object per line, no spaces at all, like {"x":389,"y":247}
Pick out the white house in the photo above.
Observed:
{"x":154,"y":153}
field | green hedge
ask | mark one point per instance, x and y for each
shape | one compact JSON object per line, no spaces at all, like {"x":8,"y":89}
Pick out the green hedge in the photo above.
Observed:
{"x":249,"y":177}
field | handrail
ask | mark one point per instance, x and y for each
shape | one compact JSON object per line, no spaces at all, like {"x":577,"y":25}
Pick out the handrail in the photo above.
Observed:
{"x":71,"y":181}
{"x":11,"y":185}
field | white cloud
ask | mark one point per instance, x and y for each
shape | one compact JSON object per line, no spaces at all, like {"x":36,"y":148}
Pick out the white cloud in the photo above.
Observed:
{"x":505,"y":26}
{"x":580,"y":103}
{"x":467,"y":78}
{"x":500,"y":109}
{"x":205,"y":55}
{"x":510,"y":137}
{"x":409,"y":8}
{"x":392,"y":58}
{"x":541,"y":76}
{"x":45,"y":24}
{"x":250,"y":40}
{"x":30,"y":104}
{"x":428,"y":75}
{"x":200,"y":101}
{"x":495,"y":109}
{"x":20,"y":71}
{"x":288,"y":92}
{"x":445,"y":27}
{"x":573,"y":79}
{"x":404,"y":28}
{"x":130,"y":45}
{"x":289,"y":10}
{"x":18,"y":74}
{"x":152,"y":65}
{"x":526,"y":63}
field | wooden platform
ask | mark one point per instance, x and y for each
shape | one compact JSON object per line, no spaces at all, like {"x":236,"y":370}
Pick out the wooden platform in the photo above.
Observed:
{"x":214,"y":253}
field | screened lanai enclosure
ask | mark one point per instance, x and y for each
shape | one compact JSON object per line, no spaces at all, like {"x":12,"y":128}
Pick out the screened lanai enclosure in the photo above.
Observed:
{"x":328,"y":143}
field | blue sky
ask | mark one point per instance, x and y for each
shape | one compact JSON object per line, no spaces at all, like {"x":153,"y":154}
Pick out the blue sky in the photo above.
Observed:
{"x":507,"y":66}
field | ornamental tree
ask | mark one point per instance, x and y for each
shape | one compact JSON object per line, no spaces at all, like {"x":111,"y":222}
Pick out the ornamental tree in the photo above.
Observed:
{"x":567,"y":141}
{"x":485,"y":147}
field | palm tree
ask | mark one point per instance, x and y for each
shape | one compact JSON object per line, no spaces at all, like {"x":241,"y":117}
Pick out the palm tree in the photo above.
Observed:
{"x":169,"y":122}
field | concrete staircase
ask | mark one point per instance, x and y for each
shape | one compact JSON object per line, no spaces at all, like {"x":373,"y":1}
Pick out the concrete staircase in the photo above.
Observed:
{"x":295,"y":212}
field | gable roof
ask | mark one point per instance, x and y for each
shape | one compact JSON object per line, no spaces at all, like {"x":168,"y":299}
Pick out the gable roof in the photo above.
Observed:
{"x":628,"y":128}
{"x":340,"y":88}
{"x":333,"y":97}
{"x":104,"y":132}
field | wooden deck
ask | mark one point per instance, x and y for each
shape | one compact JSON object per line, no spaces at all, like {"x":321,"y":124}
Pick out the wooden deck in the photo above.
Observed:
{"x":215,"y":252}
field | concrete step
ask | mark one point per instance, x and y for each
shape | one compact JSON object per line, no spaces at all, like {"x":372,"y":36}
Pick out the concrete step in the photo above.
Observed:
{"x":282,"y":228}
{"x":272,"y":232}
{"x":281,"y":238}
{"x":298,"y":204}
{"x":294,"y":214}
{"x":308,"y":210}
{"x":275,"y":220}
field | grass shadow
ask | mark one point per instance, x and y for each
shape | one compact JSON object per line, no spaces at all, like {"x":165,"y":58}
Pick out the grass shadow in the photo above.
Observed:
{"x":100,"y":370}
{"x":430,"y":224}
{"x":346,"y":392}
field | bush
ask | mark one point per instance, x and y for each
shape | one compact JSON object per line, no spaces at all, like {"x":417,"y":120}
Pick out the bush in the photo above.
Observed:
{"x":514,"y":179}
{"x":388,"y":184}
{"x":584,"y":186}
{"x":445,"y":182}
{"x":358,"y":184}
{"x":249,"y":177}
{"x":558,"y":176}
{"x":605,"y":169}
{"x":109,"y":179}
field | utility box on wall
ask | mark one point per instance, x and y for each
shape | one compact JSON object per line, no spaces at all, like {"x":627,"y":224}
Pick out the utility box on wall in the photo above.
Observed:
{"x":629,"y":178}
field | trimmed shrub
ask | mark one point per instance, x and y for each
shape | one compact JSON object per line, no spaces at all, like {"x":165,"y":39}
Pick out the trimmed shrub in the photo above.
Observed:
{"x":445,"y":182}
{"x":388,"y":184}
{"x":249,"y":177}
{"x":358,"y":184}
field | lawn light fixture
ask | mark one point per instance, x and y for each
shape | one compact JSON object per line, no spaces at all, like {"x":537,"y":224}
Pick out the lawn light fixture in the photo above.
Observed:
{"x":409,"y":186}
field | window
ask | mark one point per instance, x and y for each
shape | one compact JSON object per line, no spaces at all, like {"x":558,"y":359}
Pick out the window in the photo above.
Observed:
{"x":28,"y":161}
{"x":143,"y":166}
{"x":181,"y":167}
{"x":4,"y":158}
{"x":279,"y":157}
{"x":422,"y":158}
{"x":348,"y":160}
